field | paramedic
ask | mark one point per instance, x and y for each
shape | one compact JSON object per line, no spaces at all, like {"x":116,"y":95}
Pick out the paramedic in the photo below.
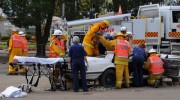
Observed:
{"x":138,"y":59}
{"x":77,"y":59}
{"x":90,"y":41}
{"x":154,"y":65}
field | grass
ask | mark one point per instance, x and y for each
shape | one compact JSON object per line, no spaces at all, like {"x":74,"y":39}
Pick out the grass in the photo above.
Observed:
{"x":31,"y":45}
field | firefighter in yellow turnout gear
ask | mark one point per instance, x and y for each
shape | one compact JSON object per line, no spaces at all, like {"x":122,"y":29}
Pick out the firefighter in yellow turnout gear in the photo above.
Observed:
{"x":57,"y":49}
{"x":122,"y":50}
{"x":15,"y":49}
{"x":154,"y":65}
{"x":91,"y":40}
{"x":25,"y":48}
{"x":25,"y":45}
{"x":57,"y":46}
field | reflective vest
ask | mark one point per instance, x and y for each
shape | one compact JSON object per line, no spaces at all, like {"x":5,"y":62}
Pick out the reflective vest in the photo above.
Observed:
{"x":156,"y":65}
{"x":25,"y":48}
{"x":122,"y":48}
{"x":60,"y":44}
{"x":17,"y":42}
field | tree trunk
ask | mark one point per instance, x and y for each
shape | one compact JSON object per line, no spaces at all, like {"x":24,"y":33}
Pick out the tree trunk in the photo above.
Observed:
{"x":40,"y":51}
{"x":42,"y":39}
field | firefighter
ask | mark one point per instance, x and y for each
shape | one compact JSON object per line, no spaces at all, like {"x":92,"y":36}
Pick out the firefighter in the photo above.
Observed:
{"x":154,"y":65}
{"x":24,"y":40}
{"x":123,"y":30}
{"x":77,"y":59}
{"x":129,"y":37}
{"x":25,"y":49}
{"x":57,"y":46}
{"x":15,"y":49}
{"x":90,"y":41}
{"x":122,"y":50}
{"x":57,"y":49}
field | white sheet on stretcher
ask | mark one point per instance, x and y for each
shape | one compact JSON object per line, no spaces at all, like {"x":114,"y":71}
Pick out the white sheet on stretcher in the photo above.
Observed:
{"x":24,"y":59}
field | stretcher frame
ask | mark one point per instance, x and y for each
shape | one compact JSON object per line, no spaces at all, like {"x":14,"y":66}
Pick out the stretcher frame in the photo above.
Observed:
{"x":38,"y":69}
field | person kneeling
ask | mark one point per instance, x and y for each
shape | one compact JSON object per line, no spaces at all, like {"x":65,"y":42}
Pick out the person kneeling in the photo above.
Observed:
{"x":154,"y":65}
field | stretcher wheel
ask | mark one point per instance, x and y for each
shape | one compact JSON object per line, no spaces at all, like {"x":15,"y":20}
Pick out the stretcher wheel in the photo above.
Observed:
{"x":52,"y":83}
{"x":62,"y":86}
{"x":107,"y":79}
{"x":28,"y":89}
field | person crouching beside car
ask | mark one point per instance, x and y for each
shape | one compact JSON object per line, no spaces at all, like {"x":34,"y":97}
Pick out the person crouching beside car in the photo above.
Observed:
{"x":154,"y":65}
{"x":77,"y":60}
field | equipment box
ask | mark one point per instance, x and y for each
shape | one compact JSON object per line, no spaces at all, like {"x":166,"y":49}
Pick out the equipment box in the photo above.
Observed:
{"x":172,"y":67}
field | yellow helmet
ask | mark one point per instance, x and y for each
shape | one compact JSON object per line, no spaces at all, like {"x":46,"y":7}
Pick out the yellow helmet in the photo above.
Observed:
{"x":106,"y":23}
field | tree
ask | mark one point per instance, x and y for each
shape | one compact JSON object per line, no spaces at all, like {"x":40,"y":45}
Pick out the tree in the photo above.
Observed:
{"x":39,"y":13}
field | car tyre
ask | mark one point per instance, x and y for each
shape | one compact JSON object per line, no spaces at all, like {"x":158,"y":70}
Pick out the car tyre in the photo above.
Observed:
{"x":108,"y":78}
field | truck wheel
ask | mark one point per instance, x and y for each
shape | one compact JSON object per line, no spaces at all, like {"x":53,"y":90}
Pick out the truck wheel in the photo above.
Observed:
{"x":107,"y":79}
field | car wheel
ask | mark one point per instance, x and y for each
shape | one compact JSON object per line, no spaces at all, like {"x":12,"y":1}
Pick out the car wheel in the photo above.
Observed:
{"x":176,"y":80}
{"x":108,"y":78}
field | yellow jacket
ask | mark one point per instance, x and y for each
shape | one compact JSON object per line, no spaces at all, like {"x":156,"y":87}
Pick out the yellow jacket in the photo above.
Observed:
{"x":91,"y":47}
{"x":56,"y":49}
{"x":111,"y":45}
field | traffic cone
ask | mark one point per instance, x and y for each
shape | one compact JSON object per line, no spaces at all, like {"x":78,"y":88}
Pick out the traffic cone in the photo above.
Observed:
{"x":120,"y":11}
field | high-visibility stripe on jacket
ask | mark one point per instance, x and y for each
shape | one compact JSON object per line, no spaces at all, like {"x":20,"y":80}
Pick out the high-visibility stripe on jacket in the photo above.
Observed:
{"x":156,"y":65}
{"x":84,"y":43}
{"x":25,"y":48}
{"x":17,"y":41}
{"x":122,"y":49}
{"x":60,"y":44}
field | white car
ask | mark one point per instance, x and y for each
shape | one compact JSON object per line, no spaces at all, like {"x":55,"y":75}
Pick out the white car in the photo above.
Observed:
{"x":100,"y":68}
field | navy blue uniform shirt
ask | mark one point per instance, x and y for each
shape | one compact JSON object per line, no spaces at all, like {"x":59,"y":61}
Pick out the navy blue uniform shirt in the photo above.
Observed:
{"x":139,"y":51}
{"x":77,"y":52}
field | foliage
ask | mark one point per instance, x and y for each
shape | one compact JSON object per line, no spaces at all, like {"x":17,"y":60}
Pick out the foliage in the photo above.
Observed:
{"x":5,"y":37}
{"x":24,"y":13}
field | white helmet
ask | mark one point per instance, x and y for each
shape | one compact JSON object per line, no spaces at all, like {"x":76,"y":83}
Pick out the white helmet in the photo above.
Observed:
{"x":152,"y":50}
{"x":129,"y":33}
{"x":123,"y":29}
{"x":58,"y":32}
{"x":113,"y":34}
{"x":15,"y":30}
{"x":21,"y":33}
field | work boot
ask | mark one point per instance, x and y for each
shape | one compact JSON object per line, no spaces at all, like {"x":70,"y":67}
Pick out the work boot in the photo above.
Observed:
{"x":157,"y":83}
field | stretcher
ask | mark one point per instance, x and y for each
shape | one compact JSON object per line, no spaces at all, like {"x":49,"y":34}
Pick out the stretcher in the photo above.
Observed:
{"x":42,"y":66}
